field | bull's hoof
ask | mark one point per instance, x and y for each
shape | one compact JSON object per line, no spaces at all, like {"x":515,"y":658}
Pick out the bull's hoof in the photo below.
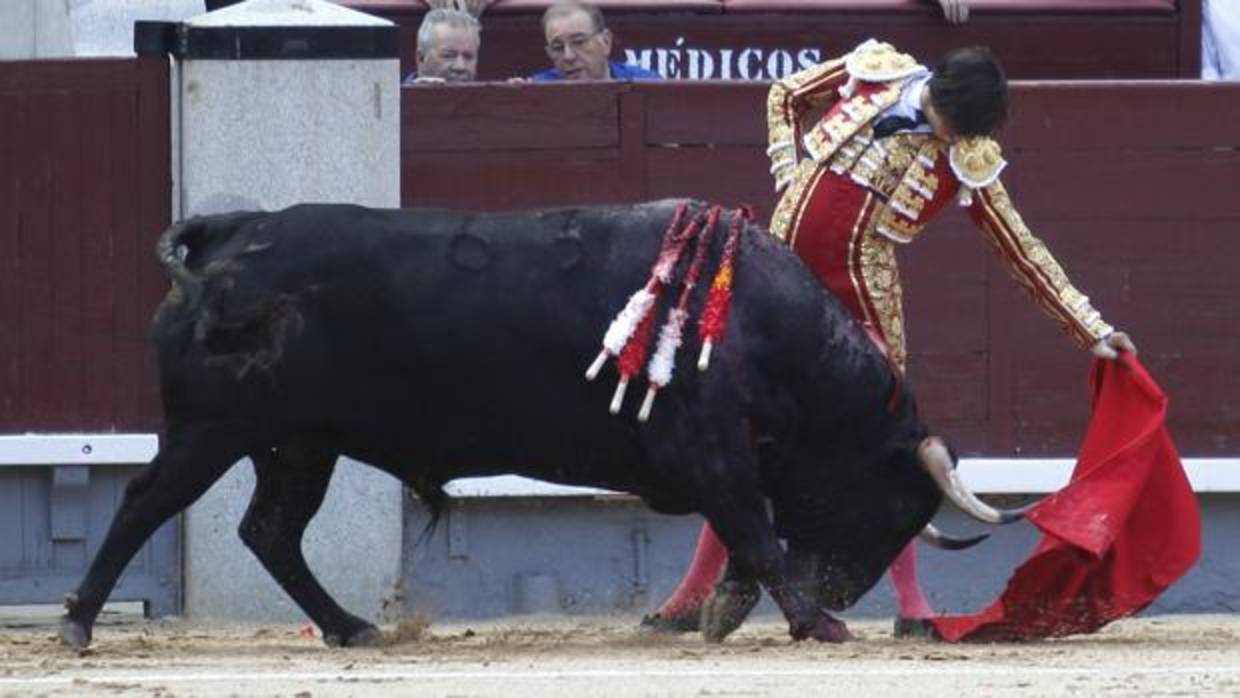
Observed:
{"x":367,"y":636}
{"x":727,"y":607}
{"x":671,"y":625}
{"x":74,"y":634}
{"x":914,"y":629}
{"x":827,"y":629}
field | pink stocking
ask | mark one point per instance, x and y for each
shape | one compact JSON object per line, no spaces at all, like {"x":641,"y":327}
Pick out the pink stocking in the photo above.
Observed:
{"x":909,"y":599}
{"x":704,"y":570}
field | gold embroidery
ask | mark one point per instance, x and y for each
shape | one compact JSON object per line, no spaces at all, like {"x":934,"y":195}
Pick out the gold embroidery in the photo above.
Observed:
{"x":895,"y":228}
{"x":845,"y":123}
{"x":788,"y":98}
{"x":856,"y":238}
{"x":977,"y":161}
{"x":881,"y":275}
{"x":901,"y":170}
{"x":788,"y":210}
{"x":875,"y":61}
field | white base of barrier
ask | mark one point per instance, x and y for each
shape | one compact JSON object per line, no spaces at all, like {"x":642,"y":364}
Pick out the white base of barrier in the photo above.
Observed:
{"x":984,"y":475}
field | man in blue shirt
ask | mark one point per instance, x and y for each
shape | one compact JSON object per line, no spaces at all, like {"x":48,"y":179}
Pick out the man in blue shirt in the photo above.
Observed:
{"x":579,"y":45}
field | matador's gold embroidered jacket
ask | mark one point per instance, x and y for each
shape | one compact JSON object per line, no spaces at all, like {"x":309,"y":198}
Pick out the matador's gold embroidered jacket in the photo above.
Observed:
{"x":912,"y":176}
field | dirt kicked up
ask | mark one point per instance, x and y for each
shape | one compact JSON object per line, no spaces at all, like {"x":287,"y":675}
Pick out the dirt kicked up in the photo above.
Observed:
{"x":1160,"y":655}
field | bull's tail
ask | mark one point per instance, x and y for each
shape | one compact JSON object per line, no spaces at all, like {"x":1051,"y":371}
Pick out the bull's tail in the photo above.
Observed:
{"x":173,"y":249}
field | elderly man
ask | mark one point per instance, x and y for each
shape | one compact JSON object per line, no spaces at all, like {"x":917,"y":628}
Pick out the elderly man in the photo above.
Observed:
{"x":448,"y":41}
{"x":579,"y":46}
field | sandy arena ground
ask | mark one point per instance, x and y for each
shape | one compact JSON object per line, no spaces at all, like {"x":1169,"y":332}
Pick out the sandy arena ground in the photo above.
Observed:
{"x":1164,"y":655}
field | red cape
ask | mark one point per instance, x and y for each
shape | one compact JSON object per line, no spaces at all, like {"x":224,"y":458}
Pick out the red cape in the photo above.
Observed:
{"x":1124,"y":528}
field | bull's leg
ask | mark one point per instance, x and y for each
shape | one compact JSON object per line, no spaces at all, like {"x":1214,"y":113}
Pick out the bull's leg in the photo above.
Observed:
{"x":291,"y":484}
{"x":729,"y":604}
{"x":189,"y":462}
{"x":682,"y":611}
{"x":746,"y":530}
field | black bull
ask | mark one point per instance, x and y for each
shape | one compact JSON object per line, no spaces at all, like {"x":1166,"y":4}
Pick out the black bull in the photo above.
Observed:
{"x":436,"y":345}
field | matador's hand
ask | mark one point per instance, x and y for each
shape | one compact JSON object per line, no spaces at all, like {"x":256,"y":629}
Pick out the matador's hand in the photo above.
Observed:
{"x":1109,"y":346}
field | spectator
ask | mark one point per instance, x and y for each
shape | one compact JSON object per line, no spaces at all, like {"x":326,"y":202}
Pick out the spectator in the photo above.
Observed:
{"x":1220,"y":39}
{"x":448,"y":41}
{"x":579,"y":46}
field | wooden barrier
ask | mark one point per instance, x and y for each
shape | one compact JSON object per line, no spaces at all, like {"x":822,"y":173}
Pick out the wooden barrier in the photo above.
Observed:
{"x":1131,"y":184}
{"x":84,"y":191}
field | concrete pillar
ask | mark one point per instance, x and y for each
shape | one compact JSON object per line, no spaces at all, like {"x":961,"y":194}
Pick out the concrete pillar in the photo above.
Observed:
{"x":35,"y":29}
{"x":105,"y":27}
{"x":278,"y":102}
{"x":68,"y":28}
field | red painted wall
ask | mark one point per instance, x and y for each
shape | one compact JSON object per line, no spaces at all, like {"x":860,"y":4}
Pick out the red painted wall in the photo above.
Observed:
{"x":84,"y":192}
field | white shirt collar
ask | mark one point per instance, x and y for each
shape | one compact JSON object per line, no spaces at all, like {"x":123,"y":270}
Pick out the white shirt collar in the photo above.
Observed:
{"x":910,"y":100}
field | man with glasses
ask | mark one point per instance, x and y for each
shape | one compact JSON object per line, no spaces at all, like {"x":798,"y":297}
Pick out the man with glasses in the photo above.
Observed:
{"x":579,"y":46}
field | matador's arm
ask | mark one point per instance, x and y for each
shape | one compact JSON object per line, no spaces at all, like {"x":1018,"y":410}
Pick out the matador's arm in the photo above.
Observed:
{"x":787,"y":103}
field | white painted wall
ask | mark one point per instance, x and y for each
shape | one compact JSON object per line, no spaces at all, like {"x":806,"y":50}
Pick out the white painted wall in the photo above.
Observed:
{"x":31,"y":29}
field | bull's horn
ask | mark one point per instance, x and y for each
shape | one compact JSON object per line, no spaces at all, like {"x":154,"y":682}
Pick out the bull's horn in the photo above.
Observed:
{"x":934,"y":457}
{"x":933,"y":536}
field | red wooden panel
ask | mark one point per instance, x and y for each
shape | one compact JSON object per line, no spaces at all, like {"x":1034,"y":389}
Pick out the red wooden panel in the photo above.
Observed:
{"x":719,"y":113}
{"x":524,"y":117}
{"x":1147,"y":115}
{"x":98,"y":301}
{"x":386,"y":8}
{"x":12,"y":129}
{"x":155,"y":214}
{"x":729,"y":175}
{"x":976,"y":7}
{"x":1125,"y":184}
{"x":537,"y":7}
{"x":77,"y":74}
{"x":35,"y":253}
{"x":513,"y":180}
{"x":75,"y":253}
{"x":1190,"y":36}
{"x":390,"y":8}
{"x":62,"y":396}
{"x":1097,"y":39}
{"x":1084,"y":47}
{"x":129,"y":253}
{"x":1204,"y":389}
{"x":945,"y":288}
